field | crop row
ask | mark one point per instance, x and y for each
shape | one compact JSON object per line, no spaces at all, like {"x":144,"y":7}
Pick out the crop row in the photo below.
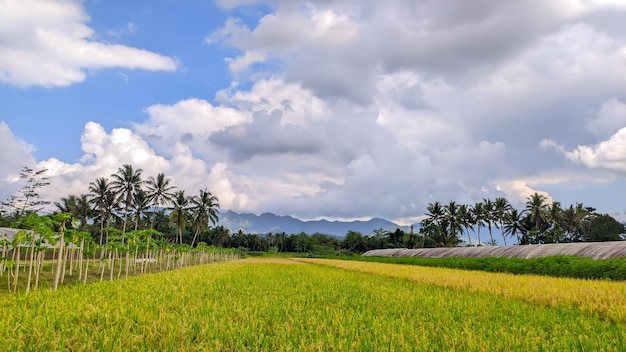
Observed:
{"x":605,"y":299}
{"x":258,"y":306}
{"x":557,"y":266}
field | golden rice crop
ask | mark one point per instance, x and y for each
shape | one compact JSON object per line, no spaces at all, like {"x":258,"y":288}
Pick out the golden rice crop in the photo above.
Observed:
{"x":256,"y":306}
{"x":607,"y":299}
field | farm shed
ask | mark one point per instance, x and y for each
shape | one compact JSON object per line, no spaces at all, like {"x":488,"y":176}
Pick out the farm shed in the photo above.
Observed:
{"x":594,"y":250}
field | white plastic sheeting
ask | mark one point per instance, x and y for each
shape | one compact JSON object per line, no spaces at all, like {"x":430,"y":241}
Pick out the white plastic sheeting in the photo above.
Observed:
{"x":594,"y":250}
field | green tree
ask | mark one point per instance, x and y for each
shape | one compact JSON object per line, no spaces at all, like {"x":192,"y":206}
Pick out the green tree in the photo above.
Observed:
{"x":354,"y":242}
{"x":141,"y":203}
{"x":79,"y":207}
{"x":219,"y":236}
{"x":455,"y":222}
{"x":604,"y":227}
{"x":537,"y":211}
{"x":160,"y":192}
{"x":501,"y":207}
{"x":180,"y":211}
{"x":467,"y":220}
{"x":125,"y":183}
{"x":435,"y":213}
{"x":397,"y":238}
{"x":489,"y":218}
{"x":205,"y":211}
{"x":513,"y":224}
{"x":479,"y":216}
{"x":102,"y":197}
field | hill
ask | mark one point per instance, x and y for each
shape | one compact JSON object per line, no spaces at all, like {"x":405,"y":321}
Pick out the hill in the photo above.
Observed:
{"x":269,"y":222}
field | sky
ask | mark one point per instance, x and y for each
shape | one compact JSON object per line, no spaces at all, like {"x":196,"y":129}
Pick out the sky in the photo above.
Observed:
{"x":336,"y":109}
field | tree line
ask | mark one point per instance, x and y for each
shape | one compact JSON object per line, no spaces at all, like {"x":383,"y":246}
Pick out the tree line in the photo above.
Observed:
{"x":124,"y":201}
{"x":539,"y":222}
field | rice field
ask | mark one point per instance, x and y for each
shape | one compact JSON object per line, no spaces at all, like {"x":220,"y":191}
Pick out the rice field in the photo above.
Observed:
{"x":606,"y":299}
{"x":271,"y":305}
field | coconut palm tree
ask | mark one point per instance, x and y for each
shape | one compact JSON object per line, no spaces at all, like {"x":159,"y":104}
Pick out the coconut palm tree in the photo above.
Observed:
{"x":513,"y":224}
{"x":489,"y":218}
{"x":79,"y":207}
{"x":500,"y":208}
{"x":467,"y":220}
{"x":584,"y":216}
{"x":479,"y":215}
{"x":435,"y":213}
{"x":180,"y":206}
{"x":125,"y":183}
{"x":67,"y":204}
{"x":204,"y":212}
{"x":141,"y":203}
{"x":537,"y":210}
{"x":454,"y":222}
{"x":554,"y":214}
{"x":160,"y":192}
{"x":99,"y":194}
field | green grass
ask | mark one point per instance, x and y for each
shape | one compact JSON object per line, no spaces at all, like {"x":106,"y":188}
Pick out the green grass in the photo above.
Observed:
{"x":277,"y":307}
{"x":557,"y":266}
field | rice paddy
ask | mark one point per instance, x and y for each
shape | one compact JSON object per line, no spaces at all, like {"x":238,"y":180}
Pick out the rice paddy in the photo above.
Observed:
{"x":269,"y":305}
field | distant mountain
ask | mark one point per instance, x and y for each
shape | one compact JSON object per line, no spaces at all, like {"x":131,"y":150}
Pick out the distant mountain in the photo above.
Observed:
{"x":268,"y":222}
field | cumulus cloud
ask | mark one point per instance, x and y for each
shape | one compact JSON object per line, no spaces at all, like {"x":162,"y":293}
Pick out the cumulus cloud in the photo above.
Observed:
{"x":48,"y":43}
{"x":609,"y":154}
{"x":105,"y":152}
{"x":189,"y":121}
{"x":464,"y":93}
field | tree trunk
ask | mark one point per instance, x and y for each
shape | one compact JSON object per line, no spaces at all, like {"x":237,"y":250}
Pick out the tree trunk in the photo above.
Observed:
{"x":32,"y":262}
{"x":57,"y":274}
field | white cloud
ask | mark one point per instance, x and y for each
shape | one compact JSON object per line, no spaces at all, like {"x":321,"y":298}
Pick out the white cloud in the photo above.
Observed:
{"x":609,"y":154}
{"x":47,"y":43}
{"x":189,"y":122}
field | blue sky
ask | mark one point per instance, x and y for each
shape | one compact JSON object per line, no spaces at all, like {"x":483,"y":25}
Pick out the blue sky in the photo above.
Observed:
{"x":115,"y":96}
{"x":336,"y":109}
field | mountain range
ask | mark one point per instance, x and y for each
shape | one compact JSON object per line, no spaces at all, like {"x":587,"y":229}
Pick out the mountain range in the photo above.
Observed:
{"x":269,"y":222}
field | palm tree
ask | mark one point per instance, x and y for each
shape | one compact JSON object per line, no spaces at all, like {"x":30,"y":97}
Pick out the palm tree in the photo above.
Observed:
{"x":466,"y":220}
{"x":453,"y":219}
{"x":435,"y":213}
{"x":125,"y":183}
{"x":77,"y":206}
{"x":159,"y":192}
{"x":83,"y":211}
{"x":536,"y":209}
{"x":99,"y":193}
{"x":479,"y":215}
{"x":554,"y":215}
{"x":513,"y":224}
{"x":500,"y":208}
{"x":67,"y":205}
{"x":583,"y":218}
{"x":489,"y":218}
{"x":141,"y":203}
{"x":204,"y":212}
{"x":178,"y":216}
